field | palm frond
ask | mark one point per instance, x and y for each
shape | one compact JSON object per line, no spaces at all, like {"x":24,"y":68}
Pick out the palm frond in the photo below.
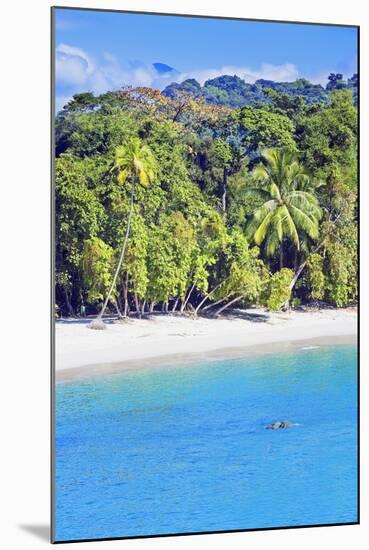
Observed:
{"x":122,"y":176}
{"x":272,"y":243}
{"x":274,"y":192}
{"x":307,"y":203}
{"x":289,"y":227}
{"x":262,"y":229}
{"x":303,"y":221}
{"x":257,"y":193}
{"x":291,"y":209}
{"x":136,"y":160}
{"x":260,"y":172}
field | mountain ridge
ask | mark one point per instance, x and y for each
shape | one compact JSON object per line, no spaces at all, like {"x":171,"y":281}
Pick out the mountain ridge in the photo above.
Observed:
{"x":233,"y":91}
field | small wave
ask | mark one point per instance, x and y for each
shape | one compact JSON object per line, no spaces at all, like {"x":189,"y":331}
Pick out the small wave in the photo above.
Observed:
{"x":310,"y":347}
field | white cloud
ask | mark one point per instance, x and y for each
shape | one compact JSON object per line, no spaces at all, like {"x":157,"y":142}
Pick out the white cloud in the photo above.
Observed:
{"x":75,"y":52}
{"x":282,"y":73}
{"x":71,"y":70}
{"x":77,"y":71}
{"x":75,"y":67}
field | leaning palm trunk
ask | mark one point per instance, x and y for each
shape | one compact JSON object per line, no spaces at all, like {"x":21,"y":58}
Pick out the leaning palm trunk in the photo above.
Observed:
{"x":125,"y":295}
{"x":213,"y":304}
{"x":117,"y":309}
{"x":286,"y":305}
{"x":98,"y":323}
{"x":184,"y":304}
{"x":175,"y":304}
{"x":206,"y":297}
{"x":228,"y":304}
{"x":297,"y":274}
{"x":224,"y":193}
{"x":217,"y":302}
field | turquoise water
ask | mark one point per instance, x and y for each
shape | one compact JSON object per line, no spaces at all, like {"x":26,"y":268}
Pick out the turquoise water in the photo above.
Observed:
{"x":186,"y":450}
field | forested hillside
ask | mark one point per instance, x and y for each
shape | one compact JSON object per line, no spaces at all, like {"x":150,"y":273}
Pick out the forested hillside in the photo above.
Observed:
{"x":225,"y":195}
{"x":232,"y":91}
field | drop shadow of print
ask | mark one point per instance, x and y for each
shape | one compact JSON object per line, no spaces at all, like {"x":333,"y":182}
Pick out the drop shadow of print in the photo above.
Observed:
{"x":40,"y":531}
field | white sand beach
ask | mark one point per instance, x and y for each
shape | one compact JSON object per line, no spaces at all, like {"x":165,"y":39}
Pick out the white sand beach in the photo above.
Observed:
{"x":150,"y":341}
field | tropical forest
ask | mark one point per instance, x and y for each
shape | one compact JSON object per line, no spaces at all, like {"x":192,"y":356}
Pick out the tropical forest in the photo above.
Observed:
{"x":199,"y":199}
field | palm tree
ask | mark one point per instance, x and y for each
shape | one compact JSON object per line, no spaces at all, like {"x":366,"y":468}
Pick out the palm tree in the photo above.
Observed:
{"x":290,"y":209}
{"x":134,"y":163}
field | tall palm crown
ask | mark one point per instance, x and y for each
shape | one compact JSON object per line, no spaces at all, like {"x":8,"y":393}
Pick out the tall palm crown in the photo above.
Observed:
{"x":291,"y":210}
{"x":134,"y":161}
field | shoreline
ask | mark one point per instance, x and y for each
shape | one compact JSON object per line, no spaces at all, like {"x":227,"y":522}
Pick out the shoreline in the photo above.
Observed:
{"x":190,"y":359}
{"x":163,"y":340}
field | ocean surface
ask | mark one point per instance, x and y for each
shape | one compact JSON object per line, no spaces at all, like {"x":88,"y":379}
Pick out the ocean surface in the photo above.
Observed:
{"x":186,"y":449}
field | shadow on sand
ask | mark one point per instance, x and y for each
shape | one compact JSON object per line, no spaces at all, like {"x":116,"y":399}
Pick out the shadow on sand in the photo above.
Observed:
{"x":80,"y":321}
{"x":246,"y":315}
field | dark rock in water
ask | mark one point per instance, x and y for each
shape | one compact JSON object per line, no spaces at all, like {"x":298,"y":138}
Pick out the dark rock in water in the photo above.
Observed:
{"x":279,"y":425}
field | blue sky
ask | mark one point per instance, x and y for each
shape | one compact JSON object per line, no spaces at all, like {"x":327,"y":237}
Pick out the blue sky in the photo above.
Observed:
{"x":99,"y":51}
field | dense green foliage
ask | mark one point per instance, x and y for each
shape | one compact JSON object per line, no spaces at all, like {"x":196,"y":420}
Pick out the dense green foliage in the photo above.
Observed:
{"x":290,"y":210}
{"x":206,"y":206}
{"x":232,"y":91}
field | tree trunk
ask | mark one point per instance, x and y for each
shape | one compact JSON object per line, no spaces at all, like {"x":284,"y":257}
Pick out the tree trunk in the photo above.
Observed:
{"x":214,"y":304}
{"x":125,"y":294}
{"x":137,"y":304}
{"x":207,"y":296}
{"x":112,"y":286}
{"x":183,"y":306}
{"x":175,"y":304}
{"x":224,"y":193}
{"x":281,"y":256}
{"x":115,"y":304}
{"x":120,"y":305}
{"x":143,"y":307}
{"x":297,"y":274}
{"x":68,"y":303}
{"x":227,"y":305}
{"x":303,"y":264}
{"x":152,"y":305}
{"x":166,"y":306}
